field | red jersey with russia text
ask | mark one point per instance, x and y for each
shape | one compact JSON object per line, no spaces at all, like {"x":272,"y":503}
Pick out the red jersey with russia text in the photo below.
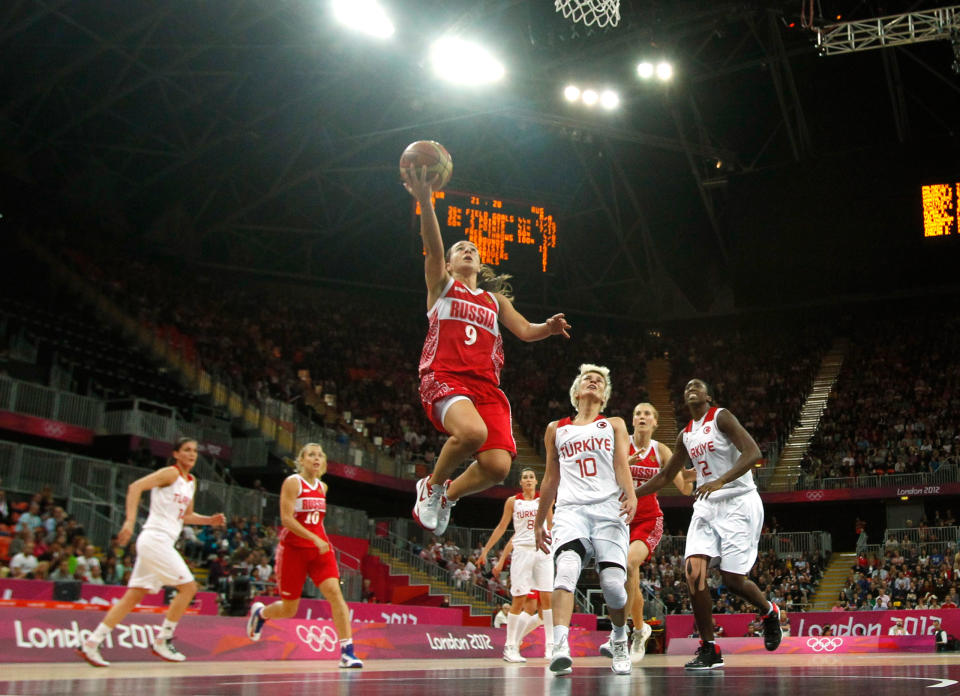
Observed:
{"x":309,"y":510}
{"x":464,"y":334}
{"x":645,"y":468}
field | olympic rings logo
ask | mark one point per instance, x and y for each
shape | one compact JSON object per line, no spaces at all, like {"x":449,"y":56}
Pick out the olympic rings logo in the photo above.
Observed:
{"x":814,"y":495}
{"x":824,"y":643}
{"x":317,"y":638}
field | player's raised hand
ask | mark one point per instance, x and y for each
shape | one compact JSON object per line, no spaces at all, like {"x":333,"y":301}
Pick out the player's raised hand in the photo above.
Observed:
{"x":558,"y":325}
{"x":418,"y":183}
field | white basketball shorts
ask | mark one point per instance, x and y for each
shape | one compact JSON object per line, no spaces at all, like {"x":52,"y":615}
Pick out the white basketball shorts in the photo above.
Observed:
{"x":530,"y":569}
{"x":158,"y":563}
{"x":599,"y":526}
{"x":727,"y":529}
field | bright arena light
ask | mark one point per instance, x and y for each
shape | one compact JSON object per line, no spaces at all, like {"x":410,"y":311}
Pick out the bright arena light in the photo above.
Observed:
{"x":365,"y":16}
{"x":589,"y":97}
{"x":664,"y":71}
{"x":571,"y":93}
{"x":645,"y":70}
{"x":463,"y":62}
{"x":609,"y":99}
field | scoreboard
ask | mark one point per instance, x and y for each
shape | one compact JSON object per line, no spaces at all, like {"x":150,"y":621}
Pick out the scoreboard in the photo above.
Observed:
{"x":941,"y":209}
{"x":499,"y":227}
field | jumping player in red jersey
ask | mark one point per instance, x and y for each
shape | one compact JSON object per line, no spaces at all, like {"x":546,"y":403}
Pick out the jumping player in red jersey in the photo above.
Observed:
{"x":158,"y":563}
{"x":460,"y":365}
{"x":646,"y":458}
{"x":304,"y":549}
{"x":727,"y":515}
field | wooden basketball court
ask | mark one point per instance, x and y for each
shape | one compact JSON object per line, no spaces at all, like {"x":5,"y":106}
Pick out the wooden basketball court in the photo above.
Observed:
{"x":889,"y":674}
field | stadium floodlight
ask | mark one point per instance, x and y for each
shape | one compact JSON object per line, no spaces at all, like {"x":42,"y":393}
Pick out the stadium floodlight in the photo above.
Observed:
{"x":366,"y":16}
{"x":589,"y":97}
{"x":571,"y":93}
{"x":463,"y":62}
{"x":645,"y":70}
{"x":664,"y":71}
{"x":609,"y":99}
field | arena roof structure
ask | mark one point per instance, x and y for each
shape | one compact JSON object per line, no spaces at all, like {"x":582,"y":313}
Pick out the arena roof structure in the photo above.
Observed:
{"x":263,"y":135}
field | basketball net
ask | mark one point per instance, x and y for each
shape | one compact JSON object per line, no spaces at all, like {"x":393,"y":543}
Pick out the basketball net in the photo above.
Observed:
{"x":602,"y":13}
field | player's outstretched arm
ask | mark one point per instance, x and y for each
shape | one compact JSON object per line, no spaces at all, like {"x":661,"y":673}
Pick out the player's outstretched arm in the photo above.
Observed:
{"x":548,"y":489}
{"x":498,"y":530}
{"x":678,"y":461}
{"x":420,"y":186}
{"x":521,"y":328}
{"x":621,"y":469}
{"x":216,"y":520}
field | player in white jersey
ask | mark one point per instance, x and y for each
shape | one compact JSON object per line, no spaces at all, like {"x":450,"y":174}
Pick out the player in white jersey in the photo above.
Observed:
{"x":727,"y":515}
{"x":588,"y":477}
{"x":158,"y":563}
{"x":530,"y":568}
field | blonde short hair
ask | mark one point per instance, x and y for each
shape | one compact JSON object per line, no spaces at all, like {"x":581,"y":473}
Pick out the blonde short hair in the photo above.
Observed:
{"x":600,"y":370}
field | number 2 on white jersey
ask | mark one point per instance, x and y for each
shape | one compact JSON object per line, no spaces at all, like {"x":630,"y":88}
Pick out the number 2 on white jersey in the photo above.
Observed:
{"x":471,"y":332}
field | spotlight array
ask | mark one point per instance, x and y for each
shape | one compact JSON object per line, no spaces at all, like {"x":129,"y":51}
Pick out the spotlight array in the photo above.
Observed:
{"x":662,"y":70}
{"x":607,"y":98}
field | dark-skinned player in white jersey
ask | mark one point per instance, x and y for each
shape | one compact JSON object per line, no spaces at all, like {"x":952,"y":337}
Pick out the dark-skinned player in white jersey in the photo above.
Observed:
{"x":727,"y":515}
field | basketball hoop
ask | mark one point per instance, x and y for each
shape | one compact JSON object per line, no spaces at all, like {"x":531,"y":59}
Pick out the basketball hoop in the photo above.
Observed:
{"x":602,"y":13}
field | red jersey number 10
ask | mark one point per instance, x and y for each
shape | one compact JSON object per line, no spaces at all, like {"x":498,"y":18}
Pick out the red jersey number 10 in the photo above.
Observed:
{"x":588,"y":466}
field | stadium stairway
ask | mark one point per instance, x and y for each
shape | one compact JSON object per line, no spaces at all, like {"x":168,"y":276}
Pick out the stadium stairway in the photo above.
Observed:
{"x":788,"y":467}
{"x":475,"y":612}
{"x":527,"y":454}
{"x":834,"y":580}
{"x":658,"y":387}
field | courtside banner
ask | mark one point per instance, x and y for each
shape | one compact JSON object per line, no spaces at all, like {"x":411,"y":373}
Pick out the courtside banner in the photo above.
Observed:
{"x":363,"y":612}
{"x":813,"y":645}
{"x":103,"y":595}
{"x":52,"y":635}
{"x":835,"y":494}
{"x":917,"y":622}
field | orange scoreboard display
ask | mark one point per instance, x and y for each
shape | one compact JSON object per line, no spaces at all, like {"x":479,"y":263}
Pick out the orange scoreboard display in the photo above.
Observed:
{"x":497,"y":226}
{"x":941,"y":209}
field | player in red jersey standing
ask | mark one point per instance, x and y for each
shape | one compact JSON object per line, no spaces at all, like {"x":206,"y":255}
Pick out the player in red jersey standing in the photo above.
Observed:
{"x":727,"y":515}
{"x":647,"y":456}
{"x":304,"y":550}
{"x":158,"y":563}
{"x":460,"y":365}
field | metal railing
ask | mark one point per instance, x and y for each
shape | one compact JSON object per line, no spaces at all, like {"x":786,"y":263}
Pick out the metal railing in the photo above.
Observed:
{"x":926,"y":539}
{"x":784,"y":544}
{"x":36,"y":400}
{"x":25,"y":469}
{"x":400,"y":548}
{"x":948,"y":473}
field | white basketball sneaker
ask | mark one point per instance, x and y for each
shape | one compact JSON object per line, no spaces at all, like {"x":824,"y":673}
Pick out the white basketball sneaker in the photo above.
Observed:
{"x":638,"y":644}
{"x":427,"y":507}
{"x":621,"y":657}
{"x":561,"y":663}
{"x":446,"y":507}
{"x":163,"y":647}
{"x":511,"y":653}
{"x":91,"y":653}
{"x":255,"y":621}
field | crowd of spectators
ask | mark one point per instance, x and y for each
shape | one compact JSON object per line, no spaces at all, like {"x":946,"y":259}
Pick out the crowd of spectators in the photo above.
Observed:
{"x":898,"y":411}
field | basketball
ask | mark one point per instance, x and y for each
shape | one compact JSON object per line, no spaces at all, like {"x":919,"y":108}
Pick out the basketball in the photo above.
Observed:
{"x":433,"y":156}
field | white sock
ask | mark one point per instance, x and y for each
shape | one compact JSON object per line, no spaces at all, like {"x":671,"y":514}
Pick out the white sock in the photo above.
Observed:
{"x":100,"y":633}
{"x":560,"y":634}
{"x":166,"y":629}
{"x":618,"y":633}
{"x":513,"y":624}
{"x":346,"y":643}
{"x":528,"y":623}
{"x":548,"y":625}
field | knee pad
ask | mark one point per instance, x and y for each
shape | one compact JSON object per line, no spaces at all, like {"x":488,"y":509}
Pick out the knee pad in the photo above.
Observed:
{"x":613,"y":579}
{"x":569,"y":564}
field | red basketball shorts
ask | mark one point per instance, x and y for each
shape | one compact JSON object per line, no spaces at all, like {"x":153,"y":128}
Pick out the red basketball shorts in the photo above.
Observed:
{"x":649,"y":531}
{"x":491,"y":403}
{"x":295,"y":563}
